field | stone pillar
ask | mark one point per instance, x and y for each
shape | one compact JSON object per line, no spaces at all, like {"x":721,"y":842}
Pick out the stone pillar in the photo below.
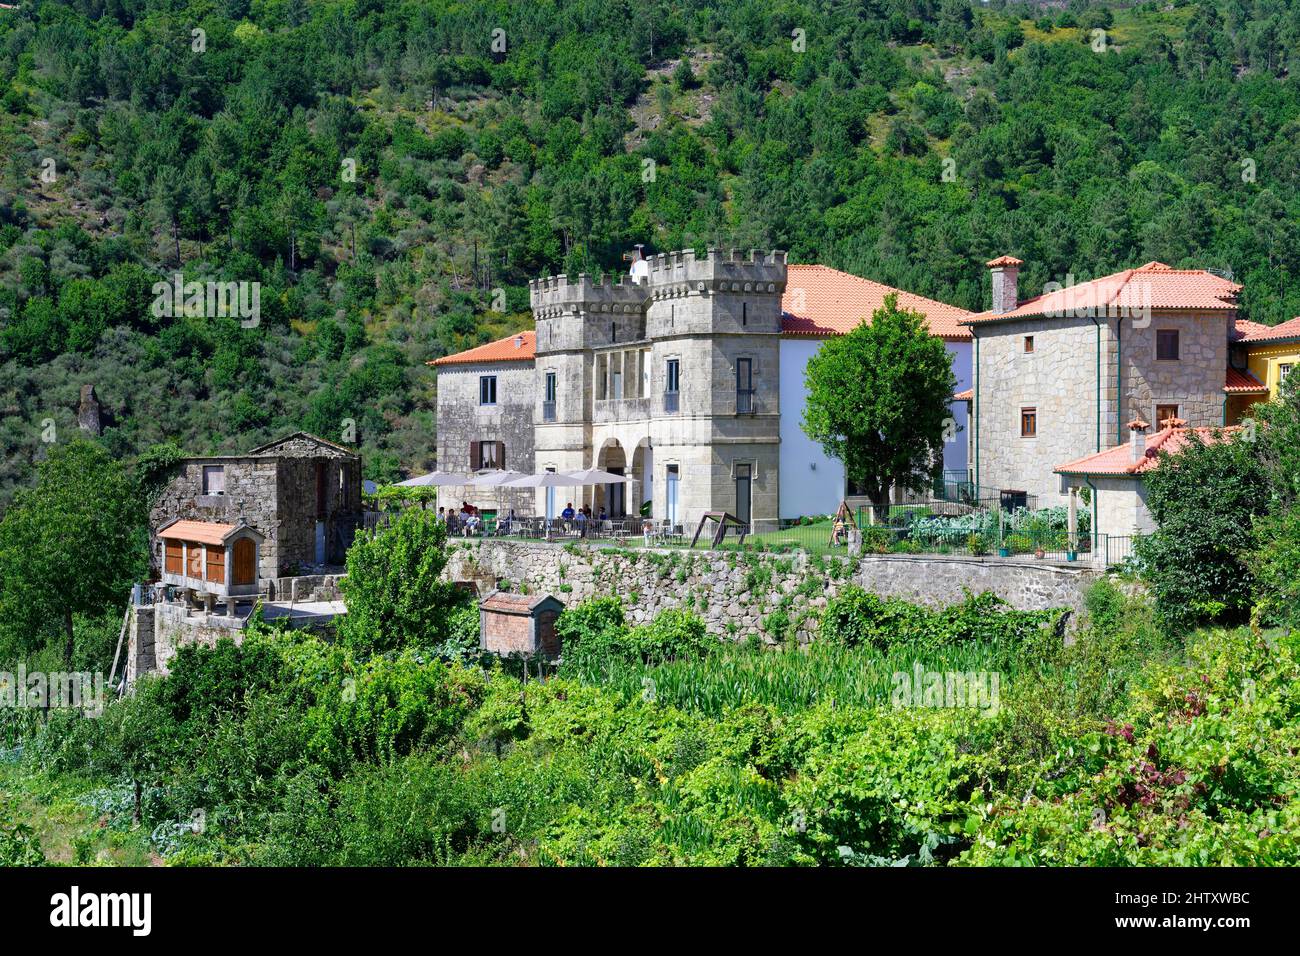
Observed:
{"x":209,"y":600}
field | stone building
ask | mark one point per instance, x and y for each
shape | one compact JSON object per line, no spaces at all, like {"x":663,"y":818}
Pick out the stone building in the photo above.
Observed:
{"x":1116,"y":476}
{"x":486,"y":397}
{"x":686,"y":375}
{"x":1055,"y":377}
{"x":301,"y":494}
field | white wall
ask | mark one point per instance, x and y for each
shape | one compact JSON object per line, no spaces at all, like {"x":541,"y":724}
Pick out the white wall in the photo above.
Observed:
{"x":811,"y":482}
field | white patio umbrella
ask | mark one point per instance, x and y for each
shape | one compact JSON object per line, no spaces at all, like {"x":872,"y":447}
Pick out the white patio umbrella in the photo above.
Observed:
{"x":435,"y":479}
{"x":594,"y":476}
{"x":492,"y":478}
{"x":547,"y":479}
{"x":495,"y":479}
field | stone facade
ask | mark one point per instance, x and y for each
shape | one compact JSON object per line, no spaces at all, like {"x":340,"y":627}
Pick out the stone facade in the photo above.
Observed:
{"x":464,"y":424}
{"x":1070,"y":380}
{"x":669,"y":375}
{"x":737,"y":595}
{"x":302,"y":493}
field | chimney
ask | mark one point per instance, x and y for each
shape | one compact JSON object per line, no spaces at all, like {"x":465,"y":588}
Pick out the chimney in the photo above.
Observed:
{"x":1137,"y":442}
{"x":1005,"y":273}
{"x":519,"y":341}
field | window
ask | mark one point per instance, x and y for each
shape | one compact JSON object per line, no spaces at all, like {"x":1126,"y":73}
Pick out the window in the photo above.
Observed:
{"x":1283,"y":370}
{"x":214,"y":479}
{"x":744,"y":313}
{"x":548,"y":398}
{"x":487,"y":390}
{"x":744,"y":386}
{"x":1028,"y":423}
{"x":1167,"y":345}
{"x":672,"y":384}
{"x":486,"y":454}
{"x":1029,"y":343}
{"x":1164,"y":413}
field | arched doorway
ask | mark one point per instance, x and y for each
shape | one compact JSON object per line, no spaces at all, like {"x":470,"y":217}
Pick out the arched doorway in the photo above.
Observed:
{"x":641,"y":488}
{"x":614,"y":497}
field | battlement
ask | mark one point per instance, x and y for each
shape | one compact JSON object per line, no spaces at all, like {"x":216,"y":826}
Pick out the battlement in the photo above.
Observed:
{"x":555,"y":295}
{"x":670,"y":273}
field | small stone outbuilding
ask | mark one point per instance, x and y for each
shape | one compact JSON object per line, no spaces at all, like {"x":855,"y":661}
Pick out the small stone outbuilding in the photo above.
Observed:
{"x":302,"y":493}
{"x":521,"y":624}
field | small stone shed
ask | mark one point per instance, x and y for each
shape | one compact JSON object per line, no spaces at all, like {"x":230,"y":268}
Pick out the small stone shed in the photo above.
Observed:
{"x":522,"y":624}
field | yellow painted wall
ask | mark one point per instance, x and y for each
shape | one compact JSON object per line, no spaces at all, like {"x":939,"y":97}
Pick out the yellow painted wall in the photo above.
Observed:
{"x":1263,"y":361}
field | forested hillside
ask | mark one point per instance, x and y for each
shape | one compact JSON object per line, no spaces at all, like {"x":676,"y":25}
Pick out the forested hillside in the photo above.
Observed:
{"x":907,"y":140}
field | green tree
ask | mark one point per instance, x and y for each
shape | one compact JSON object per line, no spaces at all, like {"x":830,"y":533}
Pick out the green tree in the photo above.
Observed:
{"x":1277,"y":535}
{"x":1204,"y":500}
{"x":878,"y":401}
{"x":394,"y":590}
{"x":74,"y":544}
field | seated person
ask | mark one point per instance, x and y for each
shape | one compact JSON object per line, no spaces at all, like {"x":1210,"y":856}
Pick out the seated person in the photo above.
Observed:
{"x":473,"y":525}
{"x":568,"y":512}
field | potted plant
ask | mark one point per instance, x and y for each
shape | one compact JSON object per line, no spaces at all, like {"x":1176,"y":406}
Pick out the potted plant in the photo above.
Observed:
{"x":1038,"y":552}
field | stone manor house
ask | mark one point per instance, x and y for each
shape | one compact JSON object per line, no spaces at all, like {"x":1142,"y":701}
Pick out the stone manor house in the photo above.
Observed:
{"x":686,"y":374}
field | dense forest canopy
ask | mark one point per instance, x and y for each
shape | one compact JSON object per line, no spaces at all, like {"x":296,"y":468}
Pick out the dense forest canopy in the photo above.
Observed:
{"x":392,"y":173}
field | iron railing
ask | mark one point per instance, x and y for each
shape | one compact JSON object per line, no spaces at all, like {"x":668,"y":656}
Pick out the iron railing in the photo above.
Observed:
{"x":548,"y":411}
{"x":671,"y":402}
{"x":744,"y":401}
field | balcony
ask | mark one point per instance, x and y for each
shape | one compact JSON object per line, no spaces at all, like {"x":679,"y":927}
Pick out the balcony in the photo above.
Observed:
{"x":671,"y":402}
{"x":548,"y":411}
{"x":744,"y":401}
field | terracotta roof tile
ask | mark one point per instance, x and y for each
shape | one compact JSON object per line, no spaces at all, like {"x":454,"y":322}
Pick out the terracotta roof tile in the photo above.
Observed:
{"x":1242,"y":328}
{"x":1005,"y":261}
{"x":520,"y":347}
{"x":820,"y":301}
{"x":1271,"y":333}
{"x":204,"y":532}
{"x":966,"y":396}
{"x":1151,"y":286}
{"x":1118,"y":460}
{"x":1243,"y":383}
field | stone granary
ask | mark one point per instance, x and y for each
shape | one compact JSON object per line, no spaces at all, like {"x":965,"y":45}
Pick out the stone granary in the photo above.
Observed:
{"x":301,"y":495}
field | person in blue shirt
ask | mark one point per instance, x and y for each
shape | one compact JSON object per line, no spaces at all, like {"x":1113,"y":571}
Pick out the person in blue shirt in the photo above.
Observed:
{"x":567,"y":513}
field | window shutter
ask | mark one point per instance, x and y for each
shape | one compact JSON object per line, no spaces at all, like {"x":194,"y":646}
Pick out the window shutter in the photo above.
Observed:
{"x":474,"y":455}
{"x":501,"y":455}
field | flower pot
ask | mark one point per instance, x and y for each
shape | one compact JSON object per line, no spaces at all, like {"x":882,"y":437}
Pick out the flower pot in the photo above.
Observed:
{"x":1004,"y":552}
{"x":1039,"y":554}
{"x":1072,"y":555}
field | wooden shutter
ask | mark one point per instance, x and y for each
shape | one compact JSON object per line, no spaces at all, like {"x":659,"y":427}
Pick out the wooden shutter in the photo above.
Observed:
{"x":173,"y":563}
{"x":475,"y":455}
{"x":216,"y":564}
{"x":501,"y":454}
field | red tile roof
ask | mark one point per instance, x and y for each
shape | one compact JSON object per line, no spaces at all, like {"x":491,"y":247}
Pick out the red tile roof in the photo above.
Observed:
{"x":1243,"y":383}
{"x":820,"y":301}
{"x":1241,"y":328}
{"x":1118,"y":460}
{"x":204,"y":532}
{"x":1151,"y":286}
{"x":1005,"y":261}
{"x":1269,"y":333}
{"x":520,"y":347}
{"x":966,"y":396}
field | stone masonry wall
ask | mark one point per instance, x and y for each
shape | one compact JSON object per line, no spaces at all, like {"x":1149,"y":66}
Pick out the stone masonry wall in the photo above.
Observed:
{"x":738,"y":594}
{"x":462,"y":420}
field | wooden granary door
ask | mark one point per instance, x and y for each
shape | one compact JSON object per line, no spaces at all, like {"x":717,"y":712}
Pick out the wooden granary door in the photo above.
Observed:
{"x":245,"y":562}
